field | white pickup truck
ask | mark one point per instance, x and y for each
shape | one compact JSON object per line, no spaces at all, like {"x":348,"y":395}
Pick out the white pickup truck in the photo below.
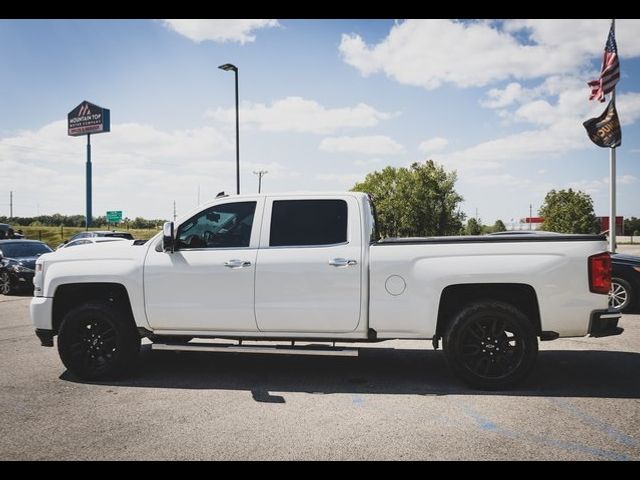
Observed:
{"x":309,"y":268}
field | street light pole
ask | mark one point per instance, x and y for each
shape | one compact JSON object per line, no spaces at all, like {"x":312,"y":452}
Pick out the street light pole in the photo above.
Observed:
{"x":260,"y":173}
{"x":226,"y":67}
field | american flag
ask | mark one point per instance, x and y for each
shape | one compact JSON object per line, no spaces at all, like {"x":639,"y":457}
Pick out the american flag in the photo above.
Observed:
{"x":610,"y":71}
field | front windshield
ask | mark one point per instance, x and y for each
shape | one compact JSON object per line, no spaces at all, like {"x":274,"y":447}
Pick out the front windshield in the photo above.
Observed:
{"x":23,"y":249}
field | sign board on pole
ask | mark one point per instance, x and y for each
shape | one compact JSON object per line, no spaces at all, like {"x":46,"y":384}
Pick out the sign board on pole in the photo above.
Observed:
{"x":88,"y":118}
{"x":114,"y":216}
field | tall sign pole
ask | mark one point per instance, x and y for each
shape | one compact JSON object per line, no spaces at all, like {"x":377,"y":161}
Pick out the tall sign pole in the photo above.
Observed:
{"x":86,"y":119}
{"x":89,"y":188}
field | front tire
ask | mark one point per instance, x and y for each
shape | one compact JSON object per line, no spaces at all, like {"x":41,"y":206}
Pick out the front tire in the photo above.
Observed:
{"x":98,"y":341}
{"x":6,"y":288}
{"x":491,"y":345}
{"x":621,"y":295}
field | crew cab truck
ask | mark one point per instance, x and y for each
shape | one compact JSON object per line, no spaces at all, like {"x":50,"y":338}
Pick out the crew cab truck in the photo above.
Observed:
{"x":310,"y":268}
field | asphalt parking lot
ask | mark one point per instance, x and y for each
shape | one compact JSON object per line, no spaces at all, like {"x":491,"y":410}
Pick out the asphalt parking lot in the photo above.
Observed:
{"x":396,"y":401}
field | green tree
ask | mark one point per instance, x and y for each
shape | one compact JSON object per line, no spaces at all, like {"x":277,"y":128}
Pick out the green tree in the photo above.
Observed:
{"x":499,"y":226}
{"x":417,"y":201}
{"x":568,"y":211}
{"x":474,"y":227}
{"x":631,"y":225}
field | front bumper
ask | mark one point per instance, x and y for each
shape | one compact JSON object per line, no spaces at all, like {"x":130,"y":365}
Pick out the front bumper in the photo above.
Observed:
{"x":604,"y":323}
{"x":41,"y":309}
{"x":23,"y":280}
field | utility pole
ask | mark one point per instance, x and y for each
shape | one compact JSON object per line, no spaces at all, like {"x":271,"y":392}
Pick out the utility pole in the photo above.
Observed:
{"x":530,"y":216}
{"x":476,"y":214}
{"x":198,"y":194}
{"x":260,"y":173}
{"x":174,"y":210}
{"x":11,"y":204}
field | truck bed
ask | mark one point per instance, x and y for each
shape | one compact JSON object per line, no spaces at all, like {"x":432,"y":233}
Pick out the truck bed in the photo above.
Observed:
{"x":492,"y":239}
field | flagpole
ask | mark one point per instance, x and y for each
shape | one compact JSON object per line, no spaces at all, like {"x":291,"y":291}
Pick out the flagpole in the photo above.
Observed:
{"x":612,"y":192}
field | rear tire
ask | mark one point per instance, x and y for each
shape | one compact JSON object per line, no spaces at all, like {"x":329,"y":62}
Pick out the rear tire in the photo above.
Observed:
{"x":98,"y":341}
{"x":491,"y":345}
{"x":621,"y":295}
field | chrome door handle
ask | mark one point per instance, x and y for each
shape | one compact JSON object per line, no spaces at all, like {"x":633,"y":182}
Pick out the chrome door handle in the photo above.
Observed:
{"x":235,"y":263}
{"x":341,"y":262}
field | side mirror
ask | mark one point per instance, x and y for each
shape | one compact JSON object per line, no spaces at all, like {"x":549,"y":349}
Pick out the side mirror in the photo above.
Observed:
{"x":167,"y":237}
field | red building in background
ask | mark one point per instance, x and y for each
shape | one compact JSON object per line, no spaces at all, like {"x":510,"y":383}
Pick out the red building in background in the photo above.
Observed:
{"x":535,"y":223}
{"x":604,"y":225}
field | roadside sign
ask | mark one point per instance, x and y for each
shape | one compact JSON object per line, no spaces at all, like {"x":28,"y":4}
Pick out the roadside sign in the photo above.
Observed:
{"x":88,"y":118}
{"x":114,"y":216}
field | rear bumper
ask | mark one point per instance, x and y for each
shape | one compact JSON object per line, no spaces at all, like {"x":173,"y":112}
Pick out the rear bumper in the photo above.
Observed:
{"x":604,"y":323}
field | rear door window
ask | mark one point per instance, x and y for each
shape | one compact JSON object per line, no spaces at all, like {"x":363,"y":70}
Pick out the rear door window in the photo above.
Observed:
{"x":308,"y":223}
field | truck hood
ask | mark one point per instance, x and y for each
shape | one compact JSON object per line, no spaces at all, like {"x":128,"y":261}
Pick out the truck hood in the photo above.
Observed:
{"x":123,"y":250}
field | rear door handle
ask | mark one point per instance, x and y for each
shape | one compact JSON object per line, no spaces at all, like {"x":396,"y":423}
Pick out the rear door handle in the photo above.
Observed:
{"x":342,"y":262}
{"x":235,"y":263}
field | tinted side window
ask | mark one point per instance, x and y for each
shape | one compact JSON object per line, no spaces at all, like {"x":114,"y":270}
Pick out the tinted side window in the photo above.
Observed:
{"x":308,"y":222}
{"x":223,"y":226}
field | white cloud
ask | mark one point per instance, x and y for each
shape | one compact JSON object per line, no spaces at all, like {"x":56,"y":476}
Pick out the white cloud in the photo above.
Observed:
{"x":537,"y":112}
{"x":622,"y":180}
{"x":558,"y":130}
{"x":219,"y":30}
{"x":502,"y":98}
{"x":370,"y":145}
{"x":588,"y":186}
{"x":368,"y":163}
{"x":499,"y":180}
{"x":296,"y":114}
{"x":428,"y":53}
{"x":627,"y":179}
{"x":137,"y":168}
{"x":602,"y":185}
{"x":560,"y":138}
{"x":341,"y":181}
{"x":435,"y":144}
{"x":581,"y":36}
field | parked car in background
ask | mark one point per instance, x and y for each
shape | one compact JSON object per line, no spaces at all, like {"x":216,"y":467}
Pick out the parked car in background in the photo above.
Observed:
{"x":102,"y":233}
{"x":6,"y":232}
{"x":18,"y":263}
{"x":98,"y":234}
{"x":89,"y":241}
{"x":625,"y":282}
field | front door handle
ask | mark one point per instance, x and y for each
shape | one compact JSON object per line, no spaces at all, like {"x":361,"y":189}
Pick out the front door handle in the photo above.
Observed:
{"x":342,"y":262}
{"x":235,"y":263}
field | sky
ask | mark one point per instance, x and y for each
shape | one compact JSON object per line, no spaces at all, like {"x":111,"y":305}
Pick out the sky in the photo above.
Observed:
{"x":322,"y":103}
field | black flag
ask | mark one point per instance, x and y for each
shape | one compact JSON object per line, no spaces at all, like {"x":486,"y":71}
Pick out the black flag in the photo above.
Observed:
{"x":605,"y":130}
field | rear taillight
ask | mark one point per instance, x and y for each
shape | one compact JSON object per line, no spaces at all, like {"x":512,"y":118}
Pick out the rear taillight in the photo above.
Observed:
{"x":600,"y":273}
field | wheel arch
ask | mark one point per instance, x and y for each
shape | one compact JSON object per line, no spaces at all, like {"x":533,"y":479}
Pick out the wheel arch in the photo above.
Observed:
{"x":456,"y":297}
{"x":71,"y":295}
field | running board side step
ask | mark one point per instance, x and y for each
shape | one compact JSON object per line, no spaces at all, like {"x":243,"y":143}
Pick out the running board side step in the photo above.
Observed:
{"x":302,"y":350}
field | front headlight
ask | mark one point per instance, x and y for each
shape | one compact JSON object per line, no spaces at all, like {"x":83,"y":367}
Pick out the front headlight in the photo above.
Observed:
{"x":20,"y":269}
{"x":38,"y":279}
